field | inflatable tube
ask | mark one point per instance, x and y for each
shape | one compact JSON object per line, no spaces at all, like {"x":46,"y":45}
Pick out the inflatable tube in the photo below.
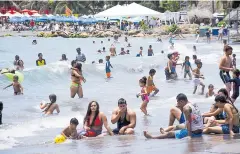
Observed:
{"x":59,"y":139}
{"x":11,"y":75}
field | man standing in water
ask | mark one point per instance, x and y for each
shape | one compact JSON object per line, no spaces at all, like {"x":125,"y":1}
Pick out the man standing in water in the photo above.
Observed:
{"x":194,"y":121}
{"x":124,"y":117}
{"x":225,"y":66}
{"x":80,"y":56}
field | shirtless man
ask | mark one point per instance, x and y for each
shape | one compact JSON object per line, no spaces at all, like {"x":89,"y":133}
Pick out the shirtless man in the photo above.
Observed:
{"x":124,"y":117}
{"x":194,"y":121}
{"x":225,"y":66}
{"x":112,"y":50}
{"x":50,"y":107}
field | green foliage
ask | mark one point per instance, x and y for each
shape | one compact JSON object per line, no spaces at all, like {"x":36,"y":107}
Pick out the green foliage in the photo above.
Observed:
{"x":144,"y":27}
{"x":170,"y":5}
{"x":221,"y":23}
{"x":172,"y":28}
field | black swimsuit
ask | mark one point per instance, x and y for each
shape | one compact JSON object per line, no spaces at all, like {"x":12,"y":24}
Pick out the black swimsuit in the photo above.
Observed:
{"x":121,"y":123}
{"x":225,"y":76}
{"x":236,"y":87}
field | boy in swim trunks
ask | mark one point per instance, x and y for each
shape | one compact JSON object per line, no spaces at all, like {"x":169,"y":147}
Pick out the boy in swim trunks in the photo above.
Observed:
{"x":71,"y":131}
{"x":107,"y":68}
{"x":225,"y":66}
{"x":18,"y":89}
{"x":197,"y":75}
{"x":187,"y":66}
{"x":150,"y":84}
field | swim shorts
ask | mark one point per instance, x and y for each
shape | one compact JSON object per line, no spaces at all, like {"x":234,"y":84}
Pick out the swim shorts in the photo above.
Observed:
{"x":225,"y":129}
{"x":225,"y":76}
{"x":108,"y":74}
{"x":235,"y":95}
{"x":151,"y":89}
{"x":182,"y":118}
{"x":196,"y":82}
{"x":179,"y":134}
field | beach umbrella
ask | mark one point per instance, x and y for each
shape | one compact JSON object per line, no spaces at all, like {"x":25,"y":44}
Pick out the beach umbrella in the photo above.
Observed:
{"x":12,"y":11}
{"x":89,"y":21}
{"x":25,"y":11}
{"x":17,"y":14}
{"x":33,"y":11}
{"x":16,"y":19}
{"x":36,"y":15}
{"x":101,"y":19}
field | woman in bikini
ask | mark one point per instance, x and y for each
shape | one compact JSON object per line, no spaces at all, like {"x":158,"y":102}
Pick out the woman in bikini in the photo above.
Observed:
{"x":94,"y":120}
{"x":77,"y":78}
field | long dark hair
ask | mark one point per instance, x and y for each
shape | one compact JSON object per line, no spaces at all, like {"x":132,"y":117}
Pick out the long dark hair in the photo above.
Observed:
{"x":225,"y":92}
{"x":79,"y":66}
{"x":87,"y":117}
{"x":53,"y":99}
{"x":223,"y":100}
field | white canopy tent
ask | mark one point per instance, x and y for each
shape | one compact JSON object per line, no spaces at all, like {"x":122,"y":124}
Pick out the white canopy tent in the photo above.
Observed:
{"x":136,"y":10}
{"x":132,"y":10}
{"x":115,"y":11}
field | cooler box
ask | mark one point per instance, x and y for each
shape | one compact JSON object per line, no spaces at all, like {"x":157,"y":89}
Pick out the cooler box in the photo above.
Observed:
{"x":225,"y":32}
{"x":215,"y":31}
{"x":203,"y":32}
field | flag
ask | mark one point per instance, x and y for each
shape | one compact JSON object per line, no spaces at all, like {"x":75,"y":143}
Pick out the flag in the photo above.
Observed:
{"x":68,"y":12}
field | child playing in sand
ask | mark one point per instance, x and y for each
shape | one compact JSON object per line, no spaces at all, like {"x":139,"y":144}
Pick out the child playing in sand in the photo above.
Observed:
{"x":144,"y":95}
{"x":71,"y":131}
{"x":210,"y":92}
{"x":150,"y":84}
{"x":197,"y":75}
{"x":18,"y":89}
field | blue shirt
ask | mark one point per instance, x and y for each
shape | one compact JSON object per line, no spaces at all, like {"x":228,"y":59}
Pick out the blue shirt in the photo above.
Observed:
{"x":107,"y":68}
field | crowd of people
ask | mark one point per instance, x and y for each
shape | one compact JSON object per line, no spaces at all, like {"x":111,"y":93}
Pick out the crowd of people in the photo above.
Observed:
{"x":223,"y":117}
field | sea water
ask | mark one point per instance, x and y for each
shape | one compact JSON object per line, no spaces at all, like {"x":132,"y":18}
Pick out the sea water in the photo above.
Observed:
{"x":26,"y":130}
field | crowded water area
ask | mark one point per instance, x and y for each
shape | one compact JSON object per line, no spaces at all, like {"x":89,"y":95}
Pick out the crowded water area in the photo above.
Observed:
{"x":49,"y":107}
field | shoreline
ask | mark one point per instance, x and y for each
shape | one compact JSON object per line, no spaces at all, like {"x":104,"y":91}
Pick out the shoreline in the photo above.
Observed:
{"x":36,"y":33}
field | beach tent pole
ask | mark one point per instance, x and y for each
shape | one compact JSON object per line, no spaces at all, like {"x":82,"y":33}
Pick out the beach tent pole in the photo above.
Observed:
{"x":237,"y":20}
{"x":228,"y":26}
{"x":120,"y":23}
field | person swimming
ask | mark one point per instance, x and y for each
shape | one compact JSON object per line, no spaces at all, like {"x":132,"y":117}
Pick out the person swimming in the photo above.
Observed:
{"x":64,"y":57}
{"x":49,"y":108}
{"x":140,"y":52}
{"x":34,"y":42}
{"x":100,"y":61}
{"x":40,"y":61}
{"x":150,"y":51}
